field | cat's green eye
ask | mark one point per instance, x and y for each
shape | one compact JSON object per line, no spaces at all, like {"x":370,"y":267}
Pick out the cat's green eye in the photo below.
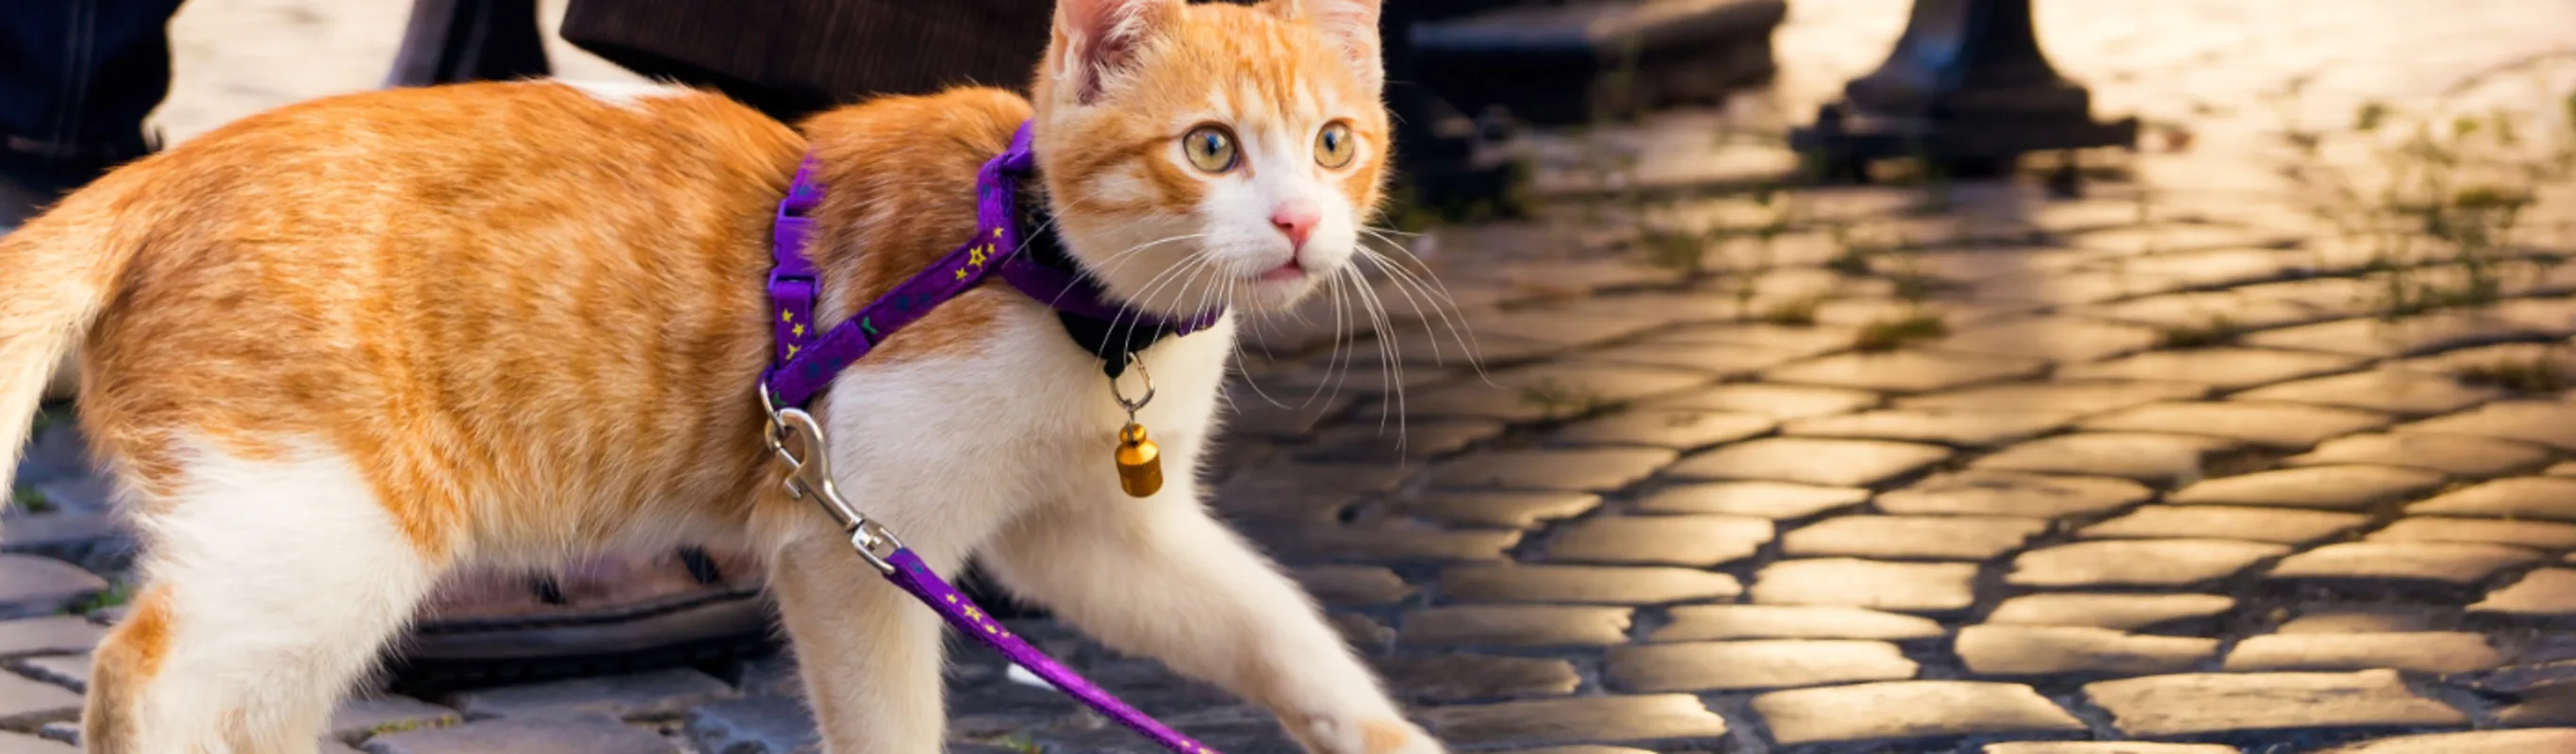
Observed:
{"x":1333,"y":148}
{"x":1210,"y":148}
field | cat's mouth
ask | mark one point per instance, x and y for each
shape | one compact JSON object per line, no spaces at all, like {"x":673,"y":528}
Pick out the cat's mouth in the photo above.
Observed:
{"x":1292,"y":271}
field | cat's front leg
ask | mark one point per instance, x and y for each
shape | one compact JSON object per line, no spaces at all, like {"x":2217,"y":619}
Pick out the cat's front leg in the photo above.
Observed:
{"x":1160,"y":578}
{"x":870,"y":656}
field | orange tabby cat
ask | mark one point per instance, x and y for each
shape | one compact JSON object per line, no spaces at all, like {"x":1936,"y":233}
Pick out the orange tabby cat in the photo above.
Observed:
{"x":336,"y":350}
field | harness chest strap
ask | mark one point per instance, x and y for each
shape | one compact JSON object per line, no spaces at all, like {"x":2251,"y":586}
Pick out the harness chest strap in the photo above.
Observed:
{"x":807,"y":361}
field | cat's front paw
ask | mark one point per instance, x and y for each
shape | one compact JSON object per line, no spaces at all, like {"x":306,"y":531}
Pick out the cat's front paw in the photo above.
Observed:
{"x":1393,"y":735}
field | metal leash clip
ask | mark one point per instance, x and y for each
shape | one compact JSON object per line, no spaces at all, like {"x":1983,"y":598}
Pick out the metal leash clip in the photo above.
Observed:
{"x":810,"y":475}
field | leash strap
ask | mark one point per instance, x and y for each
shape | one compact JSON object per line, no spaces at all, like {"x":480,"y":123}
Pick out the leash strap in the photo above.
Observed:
{"x":915,"y":577}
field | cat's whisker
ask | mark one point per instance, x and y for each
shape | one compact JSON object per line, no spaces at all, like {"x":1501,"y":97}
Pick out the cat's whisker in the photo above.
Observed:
{"x":1459,"y":331}
{"x":1390,"y":353}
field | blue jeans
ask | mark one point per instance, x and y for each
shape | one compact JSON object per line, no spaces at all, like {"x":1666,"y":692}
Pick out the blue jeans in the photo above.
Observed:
{"x":77,"y":78}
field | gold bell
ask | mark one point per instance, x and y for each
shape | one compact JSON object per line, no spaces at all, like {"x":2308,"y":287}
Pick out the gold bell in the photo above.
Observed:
{"x":1140,"y":464}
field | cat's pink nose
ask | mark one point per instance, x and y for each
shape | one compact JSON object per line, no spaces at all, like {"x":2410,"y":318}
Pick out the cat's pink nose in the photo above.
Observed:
{"x":1296,"y":218}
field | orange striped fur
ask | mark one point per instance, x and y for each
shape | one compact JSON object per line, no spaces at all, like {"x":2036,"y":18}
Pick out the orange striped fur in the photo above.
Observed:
{"x":336,"y":350}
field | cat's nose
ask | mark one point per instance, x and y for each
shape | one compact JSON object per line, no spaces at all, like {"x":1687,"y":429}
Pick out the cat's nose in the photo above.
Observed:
{"x":1296,"y":218}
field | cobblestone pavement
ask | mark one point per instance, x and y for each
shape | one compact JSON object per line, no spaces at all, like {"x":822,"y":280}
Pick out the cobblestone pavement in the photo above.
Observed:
{"x":2163,"y":475}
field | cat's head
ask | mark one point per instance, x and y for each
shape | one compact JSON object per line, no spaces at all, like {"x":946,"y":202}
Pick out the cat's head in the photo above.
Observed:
{"x":1213,"y":153}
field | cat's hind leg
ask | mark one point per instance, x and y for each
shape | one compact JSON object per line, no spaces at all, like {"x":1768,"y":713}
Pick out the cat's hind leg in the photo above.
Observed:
{"x":270,"y":584}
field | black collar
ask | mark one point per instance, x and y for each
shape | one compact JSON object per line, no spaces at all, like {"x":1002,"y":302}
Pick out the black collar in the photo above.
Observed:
{"x":1113,"y":342}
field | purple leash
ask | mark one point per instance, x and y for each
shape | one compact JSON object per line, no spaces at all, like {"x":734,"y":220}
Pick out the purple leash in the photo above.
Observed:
{"x":807,"y":361}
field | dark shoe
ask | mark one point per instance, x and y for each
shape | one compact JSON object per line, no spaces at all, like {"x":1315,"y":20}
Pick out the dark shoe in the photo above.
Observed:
{"x":608,"y":615}
{"x":1450,"y":166}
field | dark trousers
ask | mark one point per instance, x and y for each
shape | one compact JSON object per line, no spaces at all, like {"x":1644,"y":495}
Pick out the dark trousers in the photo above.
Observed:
{"x":77,"y":77}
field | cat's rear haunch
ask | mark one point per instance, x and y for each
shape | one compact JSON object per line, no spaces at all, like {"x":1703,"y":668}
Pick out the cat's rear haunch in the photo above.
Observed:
{"x":336,"y":350}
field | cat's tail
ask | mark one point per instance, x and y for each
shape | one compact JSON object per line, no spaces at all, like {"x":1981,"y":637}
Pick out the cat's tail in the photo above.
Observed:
{"x":56,"y":273}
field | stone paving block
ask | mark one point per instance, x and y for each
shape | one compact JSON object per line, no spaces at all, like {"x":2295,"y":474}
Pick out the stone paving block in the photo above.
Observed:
{"x":1804,"y":341}
{"x":1908,"y":710}
{"x":1974,"y":429}
{"x":1303,"y":492}
{"x":1671,"y":722}
{"x":2548,"y":592}
{"x":1509,"y":510}
{"x":586,"y":733}
{"x":2329,"y":487}
{"x":1452,"y":678}
{"x":1572,"y":470}
{"x":2439,"y":562}
{"x":12,"y":743}
{"x":2150,"y":458}
{"x":2393,"y":391}
{"x":1775,"y":401}
{"x":2242,"y":310}
{"x":2366,"y":618}
{"x":2122,"y":612}
{"x":1835,"y":463}
{"x":2174,"y":237}
{"x":1547,"y":390}
{"x":31,"y":586}
{"x":2537,"y":535}
{"x":1715,"y":622}
{"x":1904,"y":371}
{"x":2220,"y":368}
{"x":660,"y":693}
{"x":1556,"y":327}
{"x":1912,"y":537}
{"x":2289,"y":527}
{"x":1660,"y":540}
{"x":360,"y":717}
{"x":26,"y":704}
{"x":2537,"y":422}
{"x":1772,"y":500}
{"x":1515,"y":626}
{"x":1995,"y":493}
{"x":2474,"y":742}
{"x":2067,"y":397}
{"x":67,"y":671}
{"x":1361,"y":632}
{"x":1718,"y":359}
{"x":755,"y":725}
{"x":1676,"y":428}
{"x":60,"y":634}
{"x":2007,"y":650}
{"x":1288,"y":417}
{"x":2547,"y":498}
{"x":2457,"y":455}
{"x":1598,"y":585}
{"x":2276,"y":425}
{"x":2421,"y":651}
{"x":2106,"y":747}
{"x":1345,"y":544}
{"x":1761,"y":664}
{"x":2380,"y":338}
{"x":1351,"y":585}
{"x":2051,"y":338}
{"x":1903,"y":587}
{"x":2138,"y":562}
{"x":2208,"y":703}
{"x":1370,"y":442}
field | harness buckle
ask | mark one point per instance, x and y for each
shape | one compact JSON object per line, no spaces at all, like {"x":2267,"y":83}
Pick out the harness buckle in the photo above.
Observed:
{"x":809,"y":474}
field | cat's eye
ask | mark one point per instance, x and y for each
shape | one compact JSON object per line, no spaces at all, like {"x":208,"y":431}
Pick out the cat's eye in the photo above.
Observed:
{"x":1210,"y":148}
{"x":1333,"y":147}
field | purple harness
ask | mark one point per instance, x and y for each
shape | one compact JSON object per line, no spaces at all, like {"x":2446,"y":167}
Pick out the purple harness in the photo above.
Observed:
{"x":807,"y":361}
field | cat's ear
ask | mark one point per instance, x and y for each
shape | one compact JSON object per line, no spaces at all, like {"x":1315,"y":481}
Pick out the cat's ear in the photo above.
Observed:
{"x":1097,"y":40}
{"x":1350,"y":25}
